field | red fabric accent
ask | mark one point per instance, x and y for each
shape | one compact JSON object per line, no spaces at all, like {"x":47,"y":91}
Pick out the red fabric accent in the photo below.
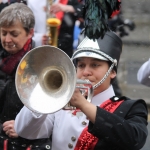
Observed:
{"x":10,"y":62}
{"x":29,"y":148}
{"x":87,"y":141}
{"x":110,"y":106}
{"x":114,"y":13}
{"x":75,"y":112}
{"x":5,"y":144}
{"x":60,"y":15}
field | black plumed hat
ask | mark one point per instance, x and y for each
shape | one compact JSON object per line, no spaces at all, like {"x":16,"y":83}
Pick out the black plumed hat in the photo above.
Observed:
{"x":98,"y":41}
{"x":108,"y":48}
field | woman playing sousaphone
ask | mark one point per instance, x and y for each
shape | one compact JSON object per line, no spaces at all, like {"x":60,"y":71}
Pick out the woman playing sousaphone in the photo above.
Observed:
{"x":108,"y":122}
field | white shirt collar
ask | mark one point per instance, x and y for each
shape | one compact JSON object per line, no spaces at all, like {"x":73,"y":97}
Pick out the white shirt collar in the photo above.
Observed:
{"x":103,"y":96}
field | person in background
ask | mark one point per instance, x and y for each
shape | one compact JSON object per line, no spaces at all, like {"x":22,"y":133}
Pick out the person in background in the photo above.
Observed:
{"x":3,"y":3}
{"x":68,"y":11}
{"x":16,"y":30}
{"x":119,"y":25}
{"x":107,"y":122}
{"x":143,"y":74}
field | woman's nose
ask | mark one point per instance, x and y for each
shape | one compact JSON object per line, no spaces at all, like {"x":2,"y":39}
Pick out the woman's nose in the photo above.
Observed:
{"x":7,"y":38}
{"x":87,"y":71}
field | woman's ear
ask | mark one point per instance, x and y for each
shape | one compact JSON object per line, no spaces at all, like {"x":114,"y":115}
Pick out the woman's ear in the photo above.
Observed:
{"x":113,"y":74}
{"x":31,"y":33}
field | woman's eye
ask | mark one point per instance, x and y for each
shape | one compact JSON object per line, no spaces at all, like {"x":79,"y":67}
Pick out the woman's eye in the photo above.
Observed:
{"x":4,"y":33}
{"x":95,"y":65}
{"x":80,"y":66}
{"x":14,"y":35}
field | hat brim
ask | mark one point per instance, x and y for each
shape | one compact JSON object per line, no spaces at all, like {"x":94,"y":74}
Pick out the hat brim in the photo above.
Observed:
{"x":91,"y":55}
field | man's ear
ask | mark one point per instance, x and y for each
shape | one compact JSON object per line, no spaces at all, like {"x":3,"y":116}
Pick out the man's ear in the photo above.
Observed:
{"x":113,"y":74}
{"x":31,"y":33}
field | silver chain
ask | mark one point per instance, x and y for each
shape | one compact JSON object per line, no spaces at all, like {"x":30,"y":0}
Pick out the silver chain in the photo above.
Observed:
{"x":104,"y":78}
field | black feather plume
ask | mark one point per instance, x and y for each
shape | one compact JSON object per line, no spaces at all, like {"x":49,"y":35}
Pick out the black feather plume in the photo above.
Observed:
{"x":96,"y":15}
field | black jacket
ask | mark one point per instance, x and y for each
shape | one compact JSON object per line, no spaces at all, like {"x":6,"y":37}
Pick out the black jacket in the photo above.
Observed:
{"x":125,"y":129}
{"x":10,"y":105}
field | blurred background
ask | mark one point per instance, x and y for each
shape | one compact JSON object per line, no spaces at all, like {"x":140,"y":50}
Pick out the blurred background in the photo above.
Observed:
{"x":136,"y":51}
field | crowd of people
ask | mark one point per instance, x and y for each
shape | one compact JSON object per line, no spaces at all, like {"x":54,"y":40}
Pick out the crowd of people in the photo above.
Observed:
{"x":107,"y":122}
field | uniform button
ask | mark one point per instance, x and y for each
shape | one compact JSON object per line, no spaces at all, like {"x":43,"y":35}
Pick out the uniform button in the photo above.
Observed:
{"x":47,"y":147}
{"x":116,"y":98}
{"x":70,"y":145}
{"x":84,"y":123}
{"x":73,"y":138}
{"x":37,"y":146}
{"x":24,"y":145}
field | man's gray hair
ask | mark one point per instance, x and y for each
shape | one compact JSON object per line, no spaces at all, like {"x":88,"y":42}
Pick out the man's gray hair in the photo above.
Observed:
{"x":15,"y":12}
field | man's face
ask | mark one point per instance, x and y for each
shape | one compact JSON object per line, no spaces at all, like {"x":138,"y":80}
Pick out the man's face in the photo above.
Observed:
{"x":94,"y":70}
{"x":14,"y":38}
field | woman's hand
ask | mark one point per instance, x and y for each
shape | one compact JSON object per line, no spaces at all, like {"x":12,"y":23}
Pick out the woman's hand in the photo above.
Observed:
{"x":79,"y":101}
{"x":8,"y":128}
{"x":58,"y":7}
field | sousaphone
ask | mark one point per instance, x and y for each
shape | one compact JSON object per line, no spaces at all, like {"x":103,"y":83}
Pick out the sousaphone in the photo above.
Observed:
{"x":46,"y":80}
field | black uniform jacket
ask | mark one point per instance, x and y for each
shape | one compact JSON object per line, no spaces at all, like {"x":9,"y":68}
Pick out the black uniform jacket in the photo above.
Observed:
{"x":125,"y":129}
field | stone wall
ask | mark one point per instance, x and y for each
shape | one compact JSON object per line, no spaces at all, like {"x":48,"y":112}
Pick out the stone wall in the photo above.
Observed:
{"x":136,"y":48}
{"x":139,"y":10}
